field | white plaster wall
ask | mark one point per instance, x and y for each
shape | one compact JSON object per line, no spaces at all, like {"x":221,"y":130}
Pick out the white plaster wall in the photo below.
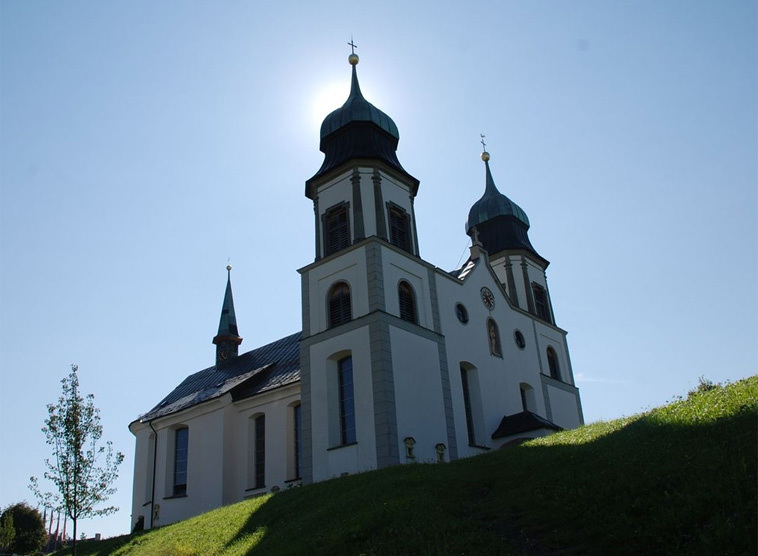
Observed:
{"x":564,"y":406}
{"x":204,"y":465}
{"x":499,"y":377}
{"x":349,"y":267}
{"x":367,"y":201}
{"x":338,"y":190}
{"x":549,"y":337}
{"x":328,"y":463}
{"x":277,"y":406}
{"x":397,"y":267}
{"x":419,"y":404}
{"x":141,"y":482}
{"x":396,"y":192}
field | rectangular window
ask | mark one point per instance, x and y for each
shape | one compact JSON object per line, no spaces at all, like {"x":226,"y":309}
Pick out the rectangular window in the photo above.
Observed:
{"x":260,"y":451}
{"x":337,"y":230}
{"x":181,"y":445}
{"x":400,"y":234}
{"x":540,"y":302}
{"x":467,"y":407}
{"x":346,"y":401}
{"x":298,"y":439}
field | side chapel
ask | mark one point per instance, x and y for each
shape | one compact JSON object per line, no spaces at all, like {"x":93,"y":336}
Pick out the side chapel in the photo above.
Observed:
{"x":397,"y":360}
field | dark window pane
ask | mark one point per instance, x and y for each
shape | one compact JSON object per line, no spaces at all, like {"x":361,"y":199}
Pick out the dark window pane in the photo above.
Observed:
{"x":399,"y":229}
{"x":552,"y":362}
{"x":298,"y":439}
{"x":337,"y":230}
{"x":540,"y":302}
{"x":467,"y":407}
{"x":260,"y":451}
{"x":181,"y":447}
{"x":339,"y":305}
{"x":407,"y":302}
{"x":347,"y":401}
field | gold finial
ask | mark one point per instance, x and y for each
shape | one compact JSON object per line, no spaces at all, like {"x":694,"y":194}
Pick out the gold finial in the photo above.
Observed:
{"x":485,"y":154}
{"x":353,"y":58}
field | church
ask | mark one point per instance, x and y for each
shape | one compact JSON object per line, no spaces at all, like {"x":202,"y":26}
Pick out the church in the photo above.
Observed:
{"x":396,"y":361}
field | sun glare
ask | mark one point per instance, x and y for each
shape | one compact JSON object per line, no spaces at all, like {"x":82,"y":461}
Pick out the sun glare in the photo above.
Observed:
{"x":328,"y":98}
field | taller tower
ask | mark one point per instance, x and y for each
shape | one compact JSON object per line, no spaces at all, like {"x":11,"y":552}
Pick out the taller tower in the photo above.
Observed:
{"x":371,"y":332}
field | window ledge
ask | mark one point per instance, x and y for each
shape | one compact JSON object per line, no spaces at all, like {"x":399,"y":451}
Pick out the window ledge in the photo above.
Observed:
{"x":255,"y":488}
{"x":296,"y":479}
{"x":174,"y":496}
{"x":341,"y":446}
{"x":479,"y":446}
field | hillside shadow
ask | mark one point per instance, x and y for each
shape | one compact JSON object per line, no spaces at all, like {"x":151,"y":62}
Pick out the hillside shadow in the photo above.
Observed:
{"x":650,"y":487}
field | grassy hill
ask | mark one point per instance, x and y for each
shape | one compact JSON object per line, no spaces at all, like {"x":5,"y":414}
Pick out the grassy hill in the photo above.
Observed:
{"x":680,"y":479}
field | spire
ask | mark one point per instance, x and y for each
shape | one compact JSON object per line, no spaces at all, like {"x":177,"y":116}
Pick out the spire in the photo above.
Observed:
{"x":228,"y":339}
{"x":499,"y":222}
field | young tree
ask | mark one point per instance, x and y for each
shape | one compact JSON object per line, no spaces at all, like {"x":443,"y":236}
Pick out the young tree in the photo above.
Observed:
{"x":28,"y":528}
{"x":83,"y":469}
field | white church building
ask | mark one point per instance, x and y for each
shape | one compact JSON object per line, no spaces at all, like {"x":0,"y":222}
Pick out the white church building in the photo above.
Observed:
{"x":397,"y":361}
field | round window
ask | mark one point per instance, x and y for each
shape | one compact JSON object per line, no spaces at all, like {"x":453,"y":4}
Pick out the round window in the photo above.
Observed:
{"x":519,"y":339}
{"x":461,"y":313}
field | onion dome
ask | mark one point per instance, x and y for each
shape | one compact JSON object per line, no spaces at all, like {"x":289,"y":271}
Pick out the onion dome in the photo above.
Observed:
{"x":358,"y":129}
{"x":357,"y":109}
{"x":500,"y":224}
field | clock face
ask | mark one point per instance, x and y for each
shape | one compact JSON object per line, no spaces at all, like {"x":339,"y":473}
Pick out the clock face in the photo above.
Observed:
{"x":488,"y":298}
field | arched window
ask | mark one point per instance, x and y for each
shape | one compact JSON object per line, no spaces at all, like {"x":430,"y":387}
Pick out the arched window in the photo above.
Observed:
{"x":407,"y":301}
{"x":339,"y":304}
{"x":256,"y":451}
{"x":552,"y":363}
{"x":346,"y":401}
{"x":297,"y":418}
{"x":527,"y":397}
{"x":493,"y":336}
{"x":181,"y":447}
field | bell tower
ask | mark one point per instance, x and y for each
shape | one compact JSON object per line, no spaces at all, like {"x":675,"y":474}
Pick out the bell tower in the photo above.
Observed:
{"x":370,"y":321}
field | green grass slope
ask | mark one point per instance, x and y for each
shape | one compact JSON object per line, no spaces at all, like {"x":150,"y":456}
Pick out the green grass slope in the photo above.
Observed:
{"x":680,"y":479}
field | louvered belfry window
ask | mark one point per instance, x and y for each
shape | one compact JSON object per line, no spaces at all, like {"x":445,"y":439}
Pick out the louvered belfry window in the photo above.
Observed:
{"x":400,"y":234}
{"x":407,"y":302}
{"x":337,"y":232}
{"x":541,"y":304}
{"x":339,"y":304}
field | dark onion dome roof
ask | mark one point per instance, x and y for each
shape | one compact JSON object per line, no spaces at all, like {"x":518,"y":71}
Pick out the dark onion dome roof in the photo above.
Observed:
{"x":500,"y":223}
{"x":358,"y":130}
{"x":493,"y":204}
{"x":357,"y":109}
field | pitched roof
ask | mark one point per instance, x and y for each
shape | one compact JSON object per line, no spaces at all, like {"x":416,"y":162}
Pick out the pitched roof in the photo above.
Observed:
{"x":523,"y":422}
{"x":260,"y":370}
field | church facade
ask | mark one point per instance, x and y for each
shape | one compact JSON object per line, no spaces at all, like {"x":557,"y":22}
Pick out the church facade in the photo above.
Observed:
{"x":397,"y":361}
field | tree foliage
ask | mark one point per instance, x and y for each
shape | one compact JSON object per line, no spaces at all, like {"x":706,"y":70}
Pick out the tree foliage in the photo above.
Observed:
{"x":22,"y":530}
{"x":82,"y":469}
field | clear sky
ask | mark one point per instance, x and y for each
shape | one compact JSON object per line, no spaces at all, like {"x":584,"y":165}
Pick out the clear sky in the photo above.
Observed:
{"x":145,"y":144}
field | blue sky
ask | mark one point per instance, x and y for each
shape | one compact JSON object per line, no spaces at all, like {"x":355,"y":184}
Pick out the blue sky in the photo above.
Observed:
{"x":143,"y":145}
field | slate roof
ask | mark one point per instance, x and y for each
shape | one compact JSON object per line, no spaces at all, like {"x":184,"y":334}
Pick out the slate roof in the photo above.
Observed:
{"x":523,"y":422}
{"x":260,"y":370}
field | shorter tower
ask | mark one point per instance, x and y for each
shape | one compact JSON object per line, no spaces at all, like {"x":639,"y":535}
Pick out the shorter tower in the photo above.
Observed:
{"x":228,"y":339}
{"x":501,"y":227}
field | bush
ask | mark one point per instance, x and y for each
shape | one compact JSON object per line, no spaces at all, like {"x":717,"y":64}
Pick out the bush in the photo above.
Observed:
{"x":29,"y":530}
